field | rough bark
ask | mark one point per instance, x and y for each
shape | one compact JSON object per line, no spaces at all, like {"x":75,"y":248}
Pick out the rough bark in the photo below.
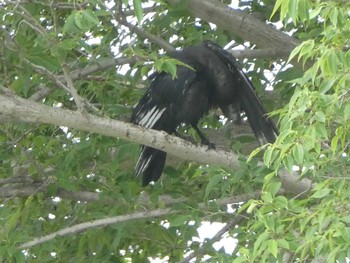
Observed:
{"x":241,"y":24}
{"x":18,"y":109}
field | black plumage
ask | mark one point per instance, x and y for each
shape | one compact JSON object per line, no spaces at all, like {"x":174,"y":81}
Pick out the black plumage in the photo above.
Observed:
{"x":215,"y":80}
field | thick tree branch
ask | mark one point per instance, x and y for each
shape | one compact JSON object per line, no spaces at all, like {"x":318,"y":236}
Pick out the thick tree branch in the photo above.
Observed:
{"x":242,"y":24}
{"x":15,"y":108}
{"x":260,"y":53}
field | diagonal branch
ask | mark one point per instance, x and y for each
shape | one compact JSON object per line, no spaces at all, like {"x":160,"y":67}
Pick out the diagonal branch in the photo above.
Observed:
{"x":15,"y":108}
{"x":144,"y":34}
{"x":97,"y":223}
{"x":240,"y":23}
{"x":99,"y":65}
{"x":201,"y":251}
{"x":125,"y":218}
{"x":121,"y":18}
{"x":73,"y":91}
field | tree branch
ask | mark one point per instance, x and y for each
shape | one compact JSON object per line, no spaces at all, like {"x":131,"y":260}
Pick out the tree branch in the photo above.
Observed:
{"x":125,"y":218}
{"x":16,"y":108}
{"x":97,"y":223}
{"x":81,"y":73}
{"x":21,"y":184}
{"x":110,"y":62}
{"x":78,"y":100}
{"x":121,"y":18}
{"x":144,"y":34}
{"x":242,"y":24}
{"x":201,"y":251}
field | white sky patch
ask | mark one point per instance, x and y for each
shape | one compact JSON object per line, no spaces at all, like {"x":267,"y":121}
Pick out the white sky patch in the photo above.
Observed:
{"x":56,"y":199}
{"x":51,"y":216}
{"x":208,"y":230}
{"x":93,"y":40}
{"x":234,"y":4}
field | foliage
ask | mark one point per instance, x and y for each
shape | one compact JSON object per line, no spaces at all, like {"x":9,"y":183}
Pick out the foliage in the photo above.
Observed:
{"x":45,"y":171}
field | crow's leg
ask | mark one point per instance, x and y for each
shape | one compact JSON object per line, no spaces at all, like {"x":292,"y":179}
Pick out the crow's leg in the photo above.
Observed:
{"x":205,"y":141}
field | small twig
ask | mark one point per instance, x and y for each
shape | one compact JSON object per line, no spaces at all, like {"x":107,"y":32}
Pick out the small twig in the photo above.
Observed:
{"x":45,"y":71}
{"x":80,"y":73}
{"x":57,"y":79}
{"x":30,"y":20}
{"x":121,"y":18}
{"x":72,"y":89}
{"x":144,"y":34}
{"x":201,"y":251}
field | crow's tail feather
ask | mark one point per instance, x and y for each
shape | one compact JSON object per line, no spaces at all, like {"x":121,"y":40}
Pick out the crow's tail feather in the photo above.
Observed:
{"x":263,"y":127}
{"x":150,"y":164}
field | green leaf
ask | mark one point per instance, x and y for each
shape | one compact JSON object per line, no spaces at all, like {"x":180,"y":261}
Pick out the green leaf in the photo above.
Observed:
{"x":69,"y":25}
{"x":334,"y":143}
{"x":85,"y":19}
{"x":288,"y":163}
{"x":212,"y":183}
{"x":267,"y":197}
{"x":273,"y":247}
{"x":260,"y":241}
{"x":321,"y":130}
{"x":269,"y":176}
{"x":284,"y":9}
{"x":281,"y":202}
{"x":253,"y":153}
{"x":78,"y":20}
{"x":347,"y":112}
{"x":273,"y":187}
{"x":276,"y":7}
{"x":138,"y":10}
{"x":315,"y":12}
{"x":303,"y":9}
{"x":68,"y":44}
{"x":251,"y":207}
{"x":268,"y":157}
{"x":327,"y":85}
{"x":308,"y":46}
{"x":283,"y":243}
{"x":334,"y":17}
{"x":178,"y":220}
{"x":298,"y":153}
{"x":321,"y":193}
{"x":292,"y":10}
{"x":90,"y":17}
{"x":294,"y":52}
{"x":333,"y":63}
{"x":320,"y":116}
{"x":170,"y":67}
